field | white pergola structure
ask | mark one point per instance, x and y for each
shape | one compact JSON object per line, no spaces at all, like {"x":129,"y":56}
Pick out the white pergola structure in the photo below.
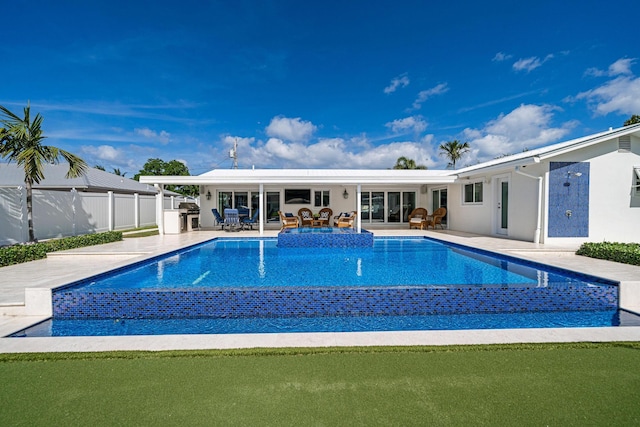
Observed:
{"x":262,"y":177}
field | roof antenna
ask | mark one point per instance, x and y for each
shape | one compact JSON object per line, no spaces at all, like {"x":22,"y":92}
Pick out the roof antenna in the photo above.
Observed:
{"x":233,"y":153}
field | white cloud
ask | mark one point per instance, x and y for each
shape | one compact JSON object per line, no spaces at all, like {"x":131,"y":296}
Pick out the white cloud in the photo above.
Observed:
{"x":620,"y":95}
{"x":355,"y":153}
{"x":163,"y":137}
{"x":620,"y":67}
{"x":426,"y":94}
{"x":528,"y":126}
{"x":103,"y":152}
{"x":501,"y":56}
{"x":295,"y":130}
{"x":400,"y":81}
{"x":409,"y":124}
{"x":530,"y":64}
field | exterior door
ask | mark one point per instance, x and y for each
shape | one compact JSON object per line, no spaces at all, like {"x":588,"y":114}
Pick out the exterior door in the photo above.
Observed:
{"x":439,"y":200}
{"x":503,"y":206}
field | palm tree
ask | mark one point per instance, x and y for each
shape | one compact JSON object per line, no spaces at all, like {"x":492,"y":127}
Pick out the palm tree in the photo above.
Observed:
{"x":454,"y":150}
{"x":21,"y":141}
{"x":405,"y":163}
{"x":116,"y":171}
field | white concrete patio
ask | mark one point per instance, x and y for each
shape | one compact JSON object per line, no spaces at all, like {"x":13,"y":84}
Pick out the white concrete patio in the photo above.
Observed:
{"x":64,"y":267}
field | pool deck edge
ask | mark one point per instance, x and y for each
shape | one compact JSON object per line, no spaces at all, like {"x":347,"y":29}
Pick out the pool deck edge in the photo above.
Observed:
{"x":318,"y":340}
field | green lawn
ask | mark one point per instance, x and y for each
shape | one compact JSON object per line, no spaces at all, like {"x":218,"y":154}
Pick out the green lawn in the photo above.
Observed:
{"x":563,"y":384}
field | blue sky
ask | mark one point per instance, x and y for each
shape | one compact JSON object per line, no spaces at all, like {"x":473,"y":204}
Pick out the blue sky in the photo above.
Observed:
{"x":331,"y":84}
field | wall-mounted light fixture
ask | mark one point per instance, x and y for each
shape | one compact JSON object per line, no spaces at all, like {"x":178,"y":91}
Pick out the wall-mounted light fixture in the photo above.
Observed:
{"x":208,"y":196}
{"x":345,"y":194}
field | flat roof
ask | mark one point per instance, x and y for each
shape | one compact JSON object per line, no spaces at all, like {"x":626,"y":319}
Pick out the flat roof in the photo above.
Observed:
{"x":309,"y":176}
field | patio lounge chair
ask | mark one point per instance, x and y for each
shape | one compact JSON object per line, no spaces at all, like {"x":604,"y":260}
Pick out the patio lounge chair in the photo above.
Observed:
{"x":436,"y":218}
{"x":325,"y":216}
{"x":232,"y":220}
{"x":346,"y":221}
{"x":252,"y":220}
{"x":418,"y":218}
{"x":306,"y":217}
{"x":288,"y":220}
{"x":218,"y":220}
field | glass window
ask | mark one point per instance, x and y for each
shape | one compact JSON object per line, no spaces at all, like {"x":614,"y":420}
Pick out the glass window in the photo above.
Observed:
{"x":224,"y":200}
{"x":321,"y":198}
{"x":408,"y":204}
{"x":377,"y":206}
{"x":394,"y":206}
{"x":273,"y":206}
{"x":636,"y":180}
{"x":473,"y":193}
{"x":365,"y":208}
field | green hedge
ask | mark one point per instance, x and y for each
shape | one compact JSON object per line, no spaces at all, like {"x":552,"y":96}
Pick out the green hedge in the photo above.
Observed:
{"x":627,"y":253}
{"x":23,"y":253}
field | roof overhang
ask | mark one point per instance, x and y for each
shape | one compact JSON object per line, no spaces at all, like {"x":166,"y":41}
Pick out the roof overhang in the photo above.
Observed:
{"x":307,"y":176}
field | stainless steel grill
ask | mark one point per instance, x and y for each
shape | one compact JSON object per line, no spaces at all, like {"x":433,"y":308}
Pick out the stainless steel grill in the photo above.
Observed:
{"x":189,"y":208}
{"x":189,"y":216}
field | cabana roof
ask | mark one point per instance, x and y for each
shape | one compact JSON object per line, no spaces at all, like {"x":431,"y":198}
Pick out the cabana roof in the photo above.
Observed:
{"x":11,"y":175}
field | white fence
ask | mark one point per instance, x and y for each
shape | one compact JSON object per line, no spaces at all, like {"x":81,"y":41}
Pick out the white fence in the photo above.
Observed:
{"x":71,"y":213}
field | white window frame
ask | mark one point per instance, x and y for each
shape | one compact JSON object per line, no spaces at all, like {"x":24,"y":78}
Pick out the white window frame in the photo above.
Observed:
{"x":636,"y":180}
{"x":475,"y":201}
{"x":323,"y":193}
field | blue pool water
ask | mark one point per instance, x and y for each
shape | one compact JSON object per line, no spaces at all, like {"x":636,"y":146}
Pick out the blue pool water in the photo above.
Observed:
{"x":254,"y":286}
{"x":391,"y":262}
{"x":119,"y":327}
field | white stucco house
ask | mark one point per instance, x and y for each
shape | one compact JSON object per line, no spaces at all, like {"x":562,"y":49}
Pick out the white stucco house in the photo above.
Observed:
{"x":586,"y":189}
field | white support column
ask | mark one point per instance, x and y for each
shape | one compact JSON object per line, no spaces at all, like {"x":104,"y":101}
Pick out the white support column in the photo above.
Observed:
{"x":74,"y":199}
{"x":260,"y":206}
{"x":24,"y":226}
{"x":136,"y":210}
{"x":160,"y":207}
{"x":359,"y":207}
{"x":111,"y":207}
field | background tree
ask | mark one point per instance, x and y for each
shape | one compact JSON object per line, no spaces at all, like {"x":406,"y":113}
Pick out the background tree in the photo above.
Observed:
{"x":21,"y":142}
{"x":405,"y":163}
{"x":174,"y":168}
{"x":632,"y":120}
{"x":99,"y":167}
{"x":453,"y":151}
{"x":116,"y":171}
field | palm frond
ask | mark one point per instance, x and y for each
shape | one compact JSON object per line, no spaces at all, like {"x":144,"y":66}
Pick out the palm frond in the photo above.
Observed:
{"x":77,"y":166}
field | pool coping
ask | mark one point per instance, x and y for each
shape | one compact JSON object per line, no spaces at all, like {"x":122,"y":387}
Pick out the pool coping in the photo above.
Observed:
{"x":10,"y":324}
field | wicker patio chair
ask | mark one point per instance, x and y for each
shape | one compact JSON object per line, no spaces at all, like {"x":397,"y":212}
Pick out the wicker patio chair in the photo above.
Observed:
{"x":346,"y":221}
{"x":325,"y":216}
{"x":418,"y":218}
{"x":288,"y":221}
{"x":306,"y":217}
{"x":436,"y":218}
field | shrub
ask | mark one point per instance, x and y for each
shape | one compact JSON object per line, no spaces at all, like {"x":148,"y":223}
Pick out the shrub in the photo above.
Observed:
{"x":23,"y":253}
{"x":627,"y":253}
{"x":82,"y":241}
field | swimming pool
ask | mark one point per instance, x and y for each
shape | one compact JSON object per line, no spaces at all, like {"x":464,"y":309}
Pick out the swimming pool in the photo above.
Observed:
{"x":410,"y":283}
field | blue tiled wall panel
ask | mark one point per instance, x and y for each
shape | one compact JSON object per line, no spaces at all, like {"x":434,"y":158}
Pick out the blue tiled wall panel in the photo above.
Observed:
{"x":327,"y":301}
{"x":568,"y":192}
{"x":324,"y":238}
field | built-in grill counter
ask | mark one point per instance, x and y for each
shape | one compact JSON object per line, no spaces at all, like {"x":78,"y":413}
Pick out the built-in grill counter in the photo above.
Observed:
{"x":185,"y":218}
